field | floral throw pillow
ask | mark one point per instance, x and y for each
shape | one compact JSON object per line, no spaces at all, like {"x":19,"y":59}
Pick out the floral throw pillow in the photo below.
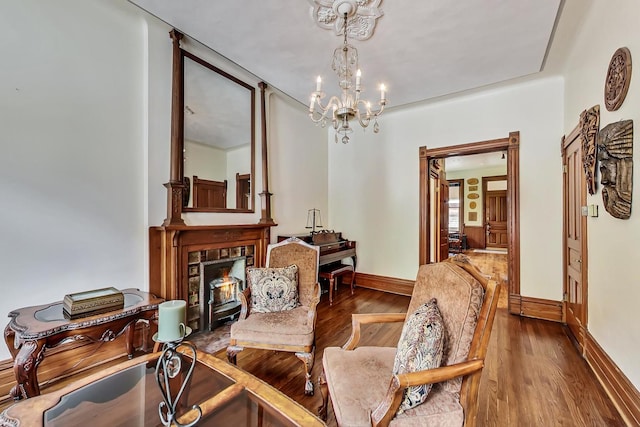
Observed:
{"x":273,"y":289}
{"x":420,"y":347}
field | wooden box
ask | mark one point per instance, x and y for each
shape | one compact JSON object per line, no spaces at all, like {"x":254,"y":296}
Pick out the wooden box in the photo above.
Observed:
{"x":89,"y":303}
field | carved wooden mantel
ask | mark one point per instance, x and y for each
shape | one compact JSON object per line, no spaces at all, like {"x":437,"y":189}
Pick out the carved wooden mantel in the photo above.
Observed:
{"x":169,"y":248}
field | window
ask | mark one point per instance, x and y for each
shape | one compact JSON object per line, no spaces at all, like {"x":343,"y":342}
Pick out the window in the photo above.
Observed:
{"x":454,"y":207}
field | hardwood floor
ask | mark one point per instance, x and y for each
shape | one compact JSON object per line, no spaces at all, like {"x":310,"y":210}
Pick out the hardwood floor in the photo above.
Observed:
{"x":533,"y":374}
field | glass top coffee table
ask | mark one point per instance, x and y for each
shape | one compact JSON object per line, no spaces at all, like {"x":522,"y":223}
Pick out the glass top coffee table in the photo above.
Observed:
{"x":128,"y":395}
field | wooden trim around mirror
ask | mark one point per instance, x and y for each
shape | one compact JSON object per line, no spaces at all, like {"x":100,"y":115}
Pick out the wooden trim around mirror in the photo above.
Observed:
{"x":176,"y":186}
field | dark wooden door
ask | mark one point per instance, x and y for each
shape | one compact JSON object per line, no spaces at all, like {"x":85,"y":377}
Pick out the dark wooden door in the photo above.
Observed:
{"x":443,"y":223}
{"x":495,"y":208}
{"x":575,"y":228}
{"x":243,"y":190}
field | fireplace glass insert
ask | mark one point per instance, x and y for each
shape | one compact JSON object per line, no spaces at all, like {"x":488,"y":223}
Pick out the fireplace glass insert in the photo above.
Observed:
{"x":221,"y":282}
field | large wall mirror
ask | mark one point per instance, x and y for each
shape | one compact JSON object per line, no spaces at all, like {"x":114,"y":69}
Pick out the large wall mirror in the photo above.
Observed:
{"x":219,"y":139}
{"x":213,"y":129}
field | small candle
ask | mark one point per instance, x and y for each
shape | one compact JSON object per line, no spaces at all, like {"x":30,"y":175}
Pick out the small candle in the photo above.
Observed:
{"x":358,"y":76}
{"x":382,"y":89}
{"x":171,"y":320}
{"x":311,"y":102}
{"x":318,"y":84}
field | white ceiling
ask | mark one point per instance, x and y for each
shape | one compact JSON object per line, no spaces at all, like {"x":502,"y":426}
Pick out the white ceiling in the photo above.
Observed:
{"x":419,"y":50}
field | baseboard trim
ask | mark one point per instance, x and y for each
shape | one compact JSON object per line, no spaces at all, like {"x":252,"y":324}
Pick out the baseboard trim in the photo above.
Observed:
{"x":536,"y":308}
{"x":385,"y":284}
{"x":622,"y":393}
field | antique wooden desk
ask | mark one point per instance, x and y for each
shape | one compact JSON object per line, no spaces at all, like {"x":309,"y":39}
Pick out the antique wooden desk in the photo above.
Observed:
{"x":127,"y":395}
{"x":32,"y":330}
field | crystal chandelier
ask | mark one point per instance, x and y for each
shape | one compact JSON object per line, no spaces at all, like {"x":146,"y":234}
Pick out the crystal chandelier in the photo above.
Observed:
{"x":348,"y":105}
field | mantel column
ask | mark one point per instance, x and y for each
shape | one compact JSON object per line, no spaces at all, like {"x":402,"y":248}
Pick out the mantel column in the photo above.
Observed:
{"x":175,"y":186}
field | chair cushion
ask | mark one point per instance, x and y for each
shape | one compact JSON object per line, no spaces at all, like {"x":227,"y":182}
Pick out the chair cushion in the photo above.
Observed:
{"x":357,"y":381}
{"x":273,"y":289}
{"x":290,"y":327}
{"x":441,"y":409}
{"x":420,"y":348}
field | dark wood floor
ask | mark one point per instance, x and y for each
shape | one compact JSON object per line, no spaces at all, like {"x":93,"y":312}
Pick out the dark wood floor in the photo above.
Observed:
{"x":533,"y":375}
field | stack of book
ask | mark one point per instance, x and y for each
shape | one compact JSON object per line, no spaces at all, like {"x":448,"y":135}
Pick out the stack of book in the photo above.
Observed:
{"x":90,"y":303}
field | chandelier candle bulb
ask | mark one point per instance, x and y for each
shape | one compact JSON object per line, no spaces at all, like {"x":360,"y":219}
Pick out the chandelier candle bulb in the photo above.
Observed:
{"x":318,"y":84}
{"x":358,"y":76}
{"x":171,"y":320}
{"x":382,"y":94}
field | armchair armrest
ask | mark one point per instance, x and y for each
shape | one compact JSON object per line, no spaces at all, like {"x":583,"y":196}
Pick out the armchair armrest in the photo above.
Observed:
{"x":245,"y":301}
{"x":387,"y":409}
{"x":365,"y":318}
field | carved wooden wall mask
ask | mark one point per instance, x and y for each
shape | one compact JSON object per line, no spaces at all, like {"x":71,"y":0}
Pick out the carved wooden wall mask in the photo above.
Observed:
{"x":615,"y":154}
{"x":589,"y":126}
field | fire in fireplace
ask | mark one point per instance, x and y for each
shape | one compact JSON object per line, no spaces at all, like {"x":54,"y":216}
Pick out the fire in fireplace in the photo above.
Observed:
{"x":221,"y":282}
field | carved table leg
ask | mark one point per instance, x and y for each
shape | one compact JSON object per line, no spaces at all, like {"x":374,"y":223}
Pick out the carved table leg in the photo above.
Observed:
{"x":9,"y":338}
{"x":129,"y":333}
{"x":25,"y":368}
{"x":307,"y":359}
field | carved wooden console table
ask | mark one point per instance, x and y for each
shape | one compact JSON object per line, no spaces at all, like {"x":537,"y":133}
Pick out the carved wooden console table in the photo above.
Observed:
{"x":34,"y":329}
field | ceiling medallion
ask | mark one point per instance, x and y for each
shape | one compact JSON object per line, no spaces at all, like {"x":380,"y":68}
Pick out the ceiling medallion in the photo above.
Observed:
{"x":360,"y":25}
{"x":618,"y":78}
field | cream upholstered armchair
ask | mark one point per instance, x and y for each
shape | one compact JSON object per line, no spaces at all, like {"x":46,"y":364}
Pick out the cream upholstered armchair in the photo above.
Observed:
{"x":443,"y":346}
{"x":267,"y":321}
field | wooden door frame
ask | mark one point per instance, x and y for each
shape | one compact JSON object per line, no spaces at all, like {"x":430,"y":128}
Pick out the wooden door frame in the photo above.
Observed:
{"x":512,"y":145}
{"x":485,"y":180}
{"x":566,"y":141}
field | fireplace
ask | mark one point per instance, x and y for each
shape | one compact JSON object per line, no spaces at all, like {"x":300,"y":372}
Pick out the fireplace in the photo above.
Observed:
{"x":221,"y":282}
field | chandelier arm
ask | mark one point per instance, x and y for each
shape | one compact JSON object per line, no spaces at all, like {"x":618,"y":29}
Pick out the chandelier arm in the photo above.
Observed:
{"x":317,"y":116}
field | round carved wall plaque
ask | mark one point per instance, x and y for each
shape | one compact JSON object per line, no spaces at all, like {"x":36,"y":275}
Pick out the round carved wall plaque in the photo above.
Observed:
{"x":472,"y":205}
{"x":618,"y":78}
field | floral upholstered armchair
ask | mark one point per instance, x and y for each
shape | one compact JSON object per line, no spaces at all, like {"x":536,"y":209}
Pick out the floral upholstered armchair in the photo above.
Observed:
{"x":279,"y":305}
{"x":432,"y":377}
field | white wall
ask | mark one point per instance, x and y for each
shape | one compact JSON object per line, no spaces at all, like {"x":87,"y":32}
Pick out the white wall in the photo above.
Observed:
{"x":614,"y":258}
{"x":73,"y":167}
{"x":238,"y":161}
{"x":373,"y":180}
{"x":297,"y":166}
{"x":205,"y":161}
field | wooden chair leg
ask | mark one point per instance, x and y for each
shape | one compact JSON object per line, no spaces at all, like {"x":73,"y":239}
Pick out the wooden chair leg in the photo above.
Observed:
{"x":307,"y":359}
{"x":232,"y":351}
{"x":324,"y":394}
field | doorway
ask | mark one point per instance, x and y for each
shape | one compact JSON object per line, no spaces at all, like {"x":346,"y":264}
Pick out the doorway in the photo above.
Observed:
{"x":511,"y":145}
{"x":494,"y":191}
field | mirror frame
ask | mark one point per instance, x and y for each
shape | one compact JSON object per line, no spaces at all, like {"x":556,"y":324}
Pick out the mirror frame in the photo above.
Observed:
{"x":175,"y":187}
